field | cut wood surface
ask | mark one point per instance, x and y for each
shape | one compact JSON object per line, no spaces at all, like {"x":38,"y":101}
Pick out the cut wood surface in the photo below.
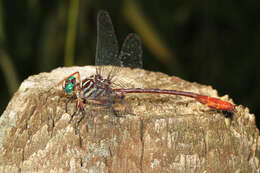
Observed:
{"x":156,"y":133}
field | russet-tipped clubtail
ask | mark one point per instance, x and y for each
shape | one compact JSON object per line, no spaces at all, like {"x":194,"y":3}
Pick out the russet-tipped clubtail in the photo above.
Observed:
{"x":99,"y":89}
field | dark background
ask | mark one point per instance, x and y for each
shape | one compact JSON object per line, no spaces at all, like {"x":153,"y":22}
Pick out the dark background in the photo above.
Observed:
{"x":210,"y":42}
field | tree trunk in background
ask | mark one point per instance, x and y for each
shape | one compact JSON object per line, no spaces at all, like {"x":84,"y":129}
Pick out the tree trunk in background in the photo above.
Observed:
{"x":157,"y":133}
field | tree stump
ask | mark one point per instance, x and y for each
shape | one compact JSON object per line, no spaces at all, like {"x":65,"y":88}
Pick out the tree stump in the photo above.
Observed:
{"x":159,"y":133}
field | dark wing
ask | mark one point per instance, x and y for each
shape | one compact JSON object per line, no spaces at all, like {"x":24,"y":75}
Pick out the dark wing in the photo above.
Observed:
{"x":131,"y":52}
{"x":107,"y":45}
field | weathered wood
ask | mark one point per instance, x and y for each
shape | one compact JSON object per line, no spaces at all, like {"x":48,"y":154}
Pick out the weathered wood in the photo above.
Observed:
{"x":160,"y":133}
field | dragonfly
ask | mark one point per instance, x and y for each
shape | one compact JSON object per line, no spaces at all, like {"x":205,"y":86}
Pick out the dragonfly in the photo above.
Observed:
{"x":99,"y":89}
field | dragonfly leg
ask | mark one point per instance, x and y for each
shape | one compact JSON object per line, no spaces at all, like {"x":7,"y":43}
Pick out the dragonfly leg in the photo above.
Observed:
{"x":66,"y":107}
{"x":79,"y":107}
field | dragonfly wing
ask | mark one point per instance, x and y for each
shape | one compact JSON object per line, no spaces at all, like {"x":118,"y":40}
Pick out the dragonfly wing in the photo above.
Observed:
{"x":107,"y":45}
{"x":131,"y":52}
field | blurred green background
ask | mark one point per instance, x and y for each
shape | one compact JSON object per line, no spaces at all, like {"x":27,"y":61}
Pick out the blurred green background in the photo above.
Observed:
{"x":210,"y":42}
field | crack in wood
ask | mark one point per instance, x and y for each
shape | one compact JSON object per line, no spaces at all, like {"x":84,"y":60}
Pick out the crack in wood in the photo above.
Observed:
{"x":142,"y":141}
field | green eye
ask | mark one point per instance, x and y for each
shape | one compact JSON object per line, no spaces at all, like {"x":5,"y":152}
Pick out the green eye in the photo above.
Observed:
{"x":71,"y":78}
{"x":69,"y":88}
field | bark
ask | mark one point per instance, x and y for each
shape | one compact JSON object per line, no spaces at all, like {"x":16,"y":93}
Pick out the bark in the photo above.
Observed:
{"x":156,"y":133}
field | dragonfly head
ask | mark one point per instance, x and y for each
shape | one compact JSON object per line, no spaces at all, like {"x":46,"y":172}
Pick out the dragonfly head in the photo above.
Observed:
{"x":70,"y":85}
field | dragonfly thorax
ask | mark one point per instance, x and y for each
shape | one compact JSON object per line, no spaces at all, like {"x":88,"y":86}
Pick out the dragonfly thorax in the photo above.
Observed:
{"x":95,"y":86}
